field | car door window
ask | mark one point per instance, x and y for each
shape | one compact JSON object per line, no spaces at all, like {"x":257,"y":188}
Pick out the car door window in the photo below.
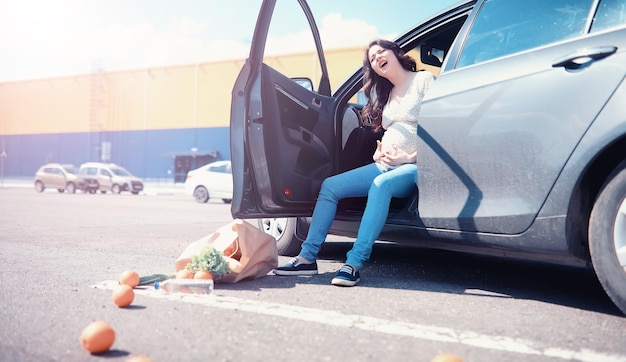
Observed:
{"x":611,"y":13}
{"x":299,"y":40}
{"x":505,"y":27}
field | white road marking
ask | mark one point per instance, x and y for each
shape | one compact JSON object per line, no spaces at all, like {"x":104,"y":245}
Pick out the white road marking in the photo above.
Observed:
{"x":425,"y":332}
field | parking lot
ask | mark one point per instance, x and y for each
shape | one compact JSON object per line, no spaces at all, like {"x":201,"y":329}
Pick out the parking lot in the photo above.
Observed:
{"x":61,"y":253}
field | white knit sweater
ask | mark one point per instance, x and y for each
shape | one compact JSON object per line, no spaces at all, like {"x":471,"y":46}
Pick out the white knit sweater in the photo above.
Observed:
{"x":400,"y":120}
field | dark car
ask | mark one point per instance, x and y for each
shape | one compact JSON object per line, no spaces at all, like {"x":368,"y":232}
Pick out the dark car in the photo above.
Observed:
{"x":522,"y":136}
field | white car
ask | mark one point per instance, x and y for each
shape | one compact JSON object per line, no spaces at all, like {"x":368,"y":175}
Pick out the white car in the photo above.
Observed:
{"x":214,"y":180}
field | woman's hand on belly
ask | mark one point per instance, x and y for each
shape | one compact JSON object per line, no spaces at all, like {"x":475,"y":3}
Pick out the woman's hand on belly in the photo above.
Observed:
{"x":394,"y":155}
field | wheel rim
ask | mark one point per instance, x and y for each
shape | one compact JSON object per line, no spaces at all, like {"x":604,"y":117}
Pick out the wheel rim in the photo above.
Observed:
{"x":201,"y":194}
{"x":619,"y":235}
{"x":274,"y":226}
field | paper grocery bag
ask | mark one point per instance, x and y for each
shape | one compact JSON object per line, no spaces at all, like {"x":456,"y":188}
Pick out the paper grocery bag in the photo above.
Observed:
{"x":253,"y":248}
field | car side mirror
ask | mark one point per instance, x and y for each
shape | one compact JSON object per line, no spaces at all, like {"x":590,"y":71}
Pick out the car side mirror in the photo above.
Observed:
{"x":304,"y":82}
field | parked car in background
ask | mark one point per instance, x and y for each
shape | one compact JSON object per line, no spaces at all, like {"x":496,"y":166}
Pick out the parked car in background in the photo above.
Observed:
{"x":213,"y":180}
{"x":103,"y":177}
{"x":57,"y":176}
{"x":521,"y":137}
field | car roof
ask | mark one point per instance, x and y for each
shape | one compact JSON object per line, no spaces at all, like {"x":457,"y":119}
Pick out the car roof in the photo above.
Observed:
{"x":56,"y":164}
{"x":216,"y":163}
{"x":99,"y":164}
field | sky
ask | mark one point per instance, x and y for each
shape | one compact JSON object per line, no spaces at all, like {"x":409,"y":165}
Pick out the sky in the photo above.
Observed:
{"x":52,"y":38}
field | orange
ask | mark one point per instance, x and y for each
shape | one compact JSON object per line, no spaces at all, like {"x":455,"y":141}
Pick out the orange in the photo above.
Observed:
{"x":446,"y":357}
{"x":184,"y":274}
{"x":97,"y":337}
{"x":123,"y":295}
{"x":130,"y":278}
{"x":203,"y":274}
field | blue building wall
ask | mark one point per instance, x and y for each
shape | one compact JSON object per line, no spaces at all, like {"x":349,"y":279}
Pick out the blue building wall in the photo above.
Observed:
{"x":147,"y":154}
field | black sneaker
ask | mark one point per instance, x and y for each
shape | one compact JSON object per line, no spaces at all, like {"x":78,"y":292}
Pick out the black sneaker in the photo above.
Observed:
{"x":295,"y":267}
{"x":347,"y":276}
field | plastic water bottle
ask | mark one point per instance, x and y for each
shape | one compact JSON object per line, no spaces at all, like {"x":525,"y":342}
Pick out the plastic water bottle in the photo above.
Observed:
{"x":188,"y":286}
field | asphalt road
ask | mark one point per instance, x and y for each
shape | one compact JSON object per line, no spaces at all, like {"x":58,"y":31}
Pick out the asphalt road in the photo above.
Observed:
{"x":61,"y":254}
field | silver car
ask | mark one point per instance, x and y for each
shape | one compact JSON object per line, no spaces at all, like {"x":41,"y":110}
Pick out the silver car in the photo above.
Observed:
{"x":103,"y":177}
{"x":522,"y":136}
{"x":56,"y":176}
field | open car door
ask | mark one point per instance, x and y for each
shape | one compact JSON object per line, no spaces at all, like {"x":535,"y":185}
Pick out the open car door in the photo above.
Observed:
{"x":282,"y":131}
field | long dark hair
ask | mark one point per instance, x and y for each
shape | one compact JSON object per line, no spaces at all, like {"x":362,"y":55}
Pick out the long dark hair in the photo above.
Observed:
{"x":377,"y":88}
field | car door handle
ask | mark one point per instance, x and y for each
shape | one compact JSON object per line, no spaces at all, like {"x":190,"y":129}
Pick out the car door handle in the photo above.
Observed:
{"x":584,"y":57}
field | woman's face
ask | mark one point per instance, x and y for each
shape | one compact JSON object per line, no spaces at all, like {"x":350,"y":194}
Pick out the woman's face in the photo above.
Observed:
{"x":382,"y":60}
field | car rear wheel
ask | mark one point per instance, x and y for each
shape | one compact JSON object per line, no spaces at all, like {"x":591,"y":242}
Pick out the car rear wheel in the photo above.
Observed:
{"x":284,"y":231}
{"x":39,"y":187}
{"x":607,"y":237}
{"x":201,"y":194}
{"x":61,"y":190}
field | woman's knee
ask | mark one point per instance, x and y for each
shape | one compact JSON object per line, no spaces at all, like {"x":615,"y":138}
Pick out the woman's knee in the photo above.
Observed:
{"x":327,"y":190}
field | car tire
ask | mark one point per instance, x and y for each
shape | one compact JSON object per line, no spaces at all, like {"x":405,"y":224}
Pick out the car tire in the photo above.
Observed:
{"x":61,"y":190}
{"x":71,"y":188}
{"x":39,"y":186}
{"x":94,"y":189}
{"x":115,"y":189}
{"x":284,"y":231}
{"x":227,"y":201}
{"x":201,"y":194}
{"x":607,"y":237}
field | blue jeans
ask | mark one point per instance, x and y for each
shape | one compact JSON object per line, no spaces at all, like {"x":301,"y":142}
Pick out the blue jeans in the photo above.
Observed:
{"x":379,"y":187}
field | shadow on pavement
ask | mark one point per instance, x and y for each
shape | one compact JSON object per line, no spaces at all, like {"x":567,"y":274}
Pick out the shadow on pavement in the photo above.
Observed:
{"x":410,"y":268}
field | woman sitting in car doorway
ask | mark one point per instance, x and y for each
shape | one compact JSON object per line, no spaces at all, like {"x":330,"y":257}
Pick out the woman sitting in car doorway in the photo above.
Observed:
{"x":394,"y":89}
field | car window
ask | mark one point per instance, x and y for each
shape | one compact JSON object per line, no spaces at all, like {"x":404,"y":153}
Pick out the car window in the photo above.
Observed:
{"x":119,"y":172}
{"x":504,"y":27}
{"x":300,"y":40}
{"x":220,"y":169}
{"x":70,"y":170}
{"x":610,"y":13}
{"x":104,"y":172}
